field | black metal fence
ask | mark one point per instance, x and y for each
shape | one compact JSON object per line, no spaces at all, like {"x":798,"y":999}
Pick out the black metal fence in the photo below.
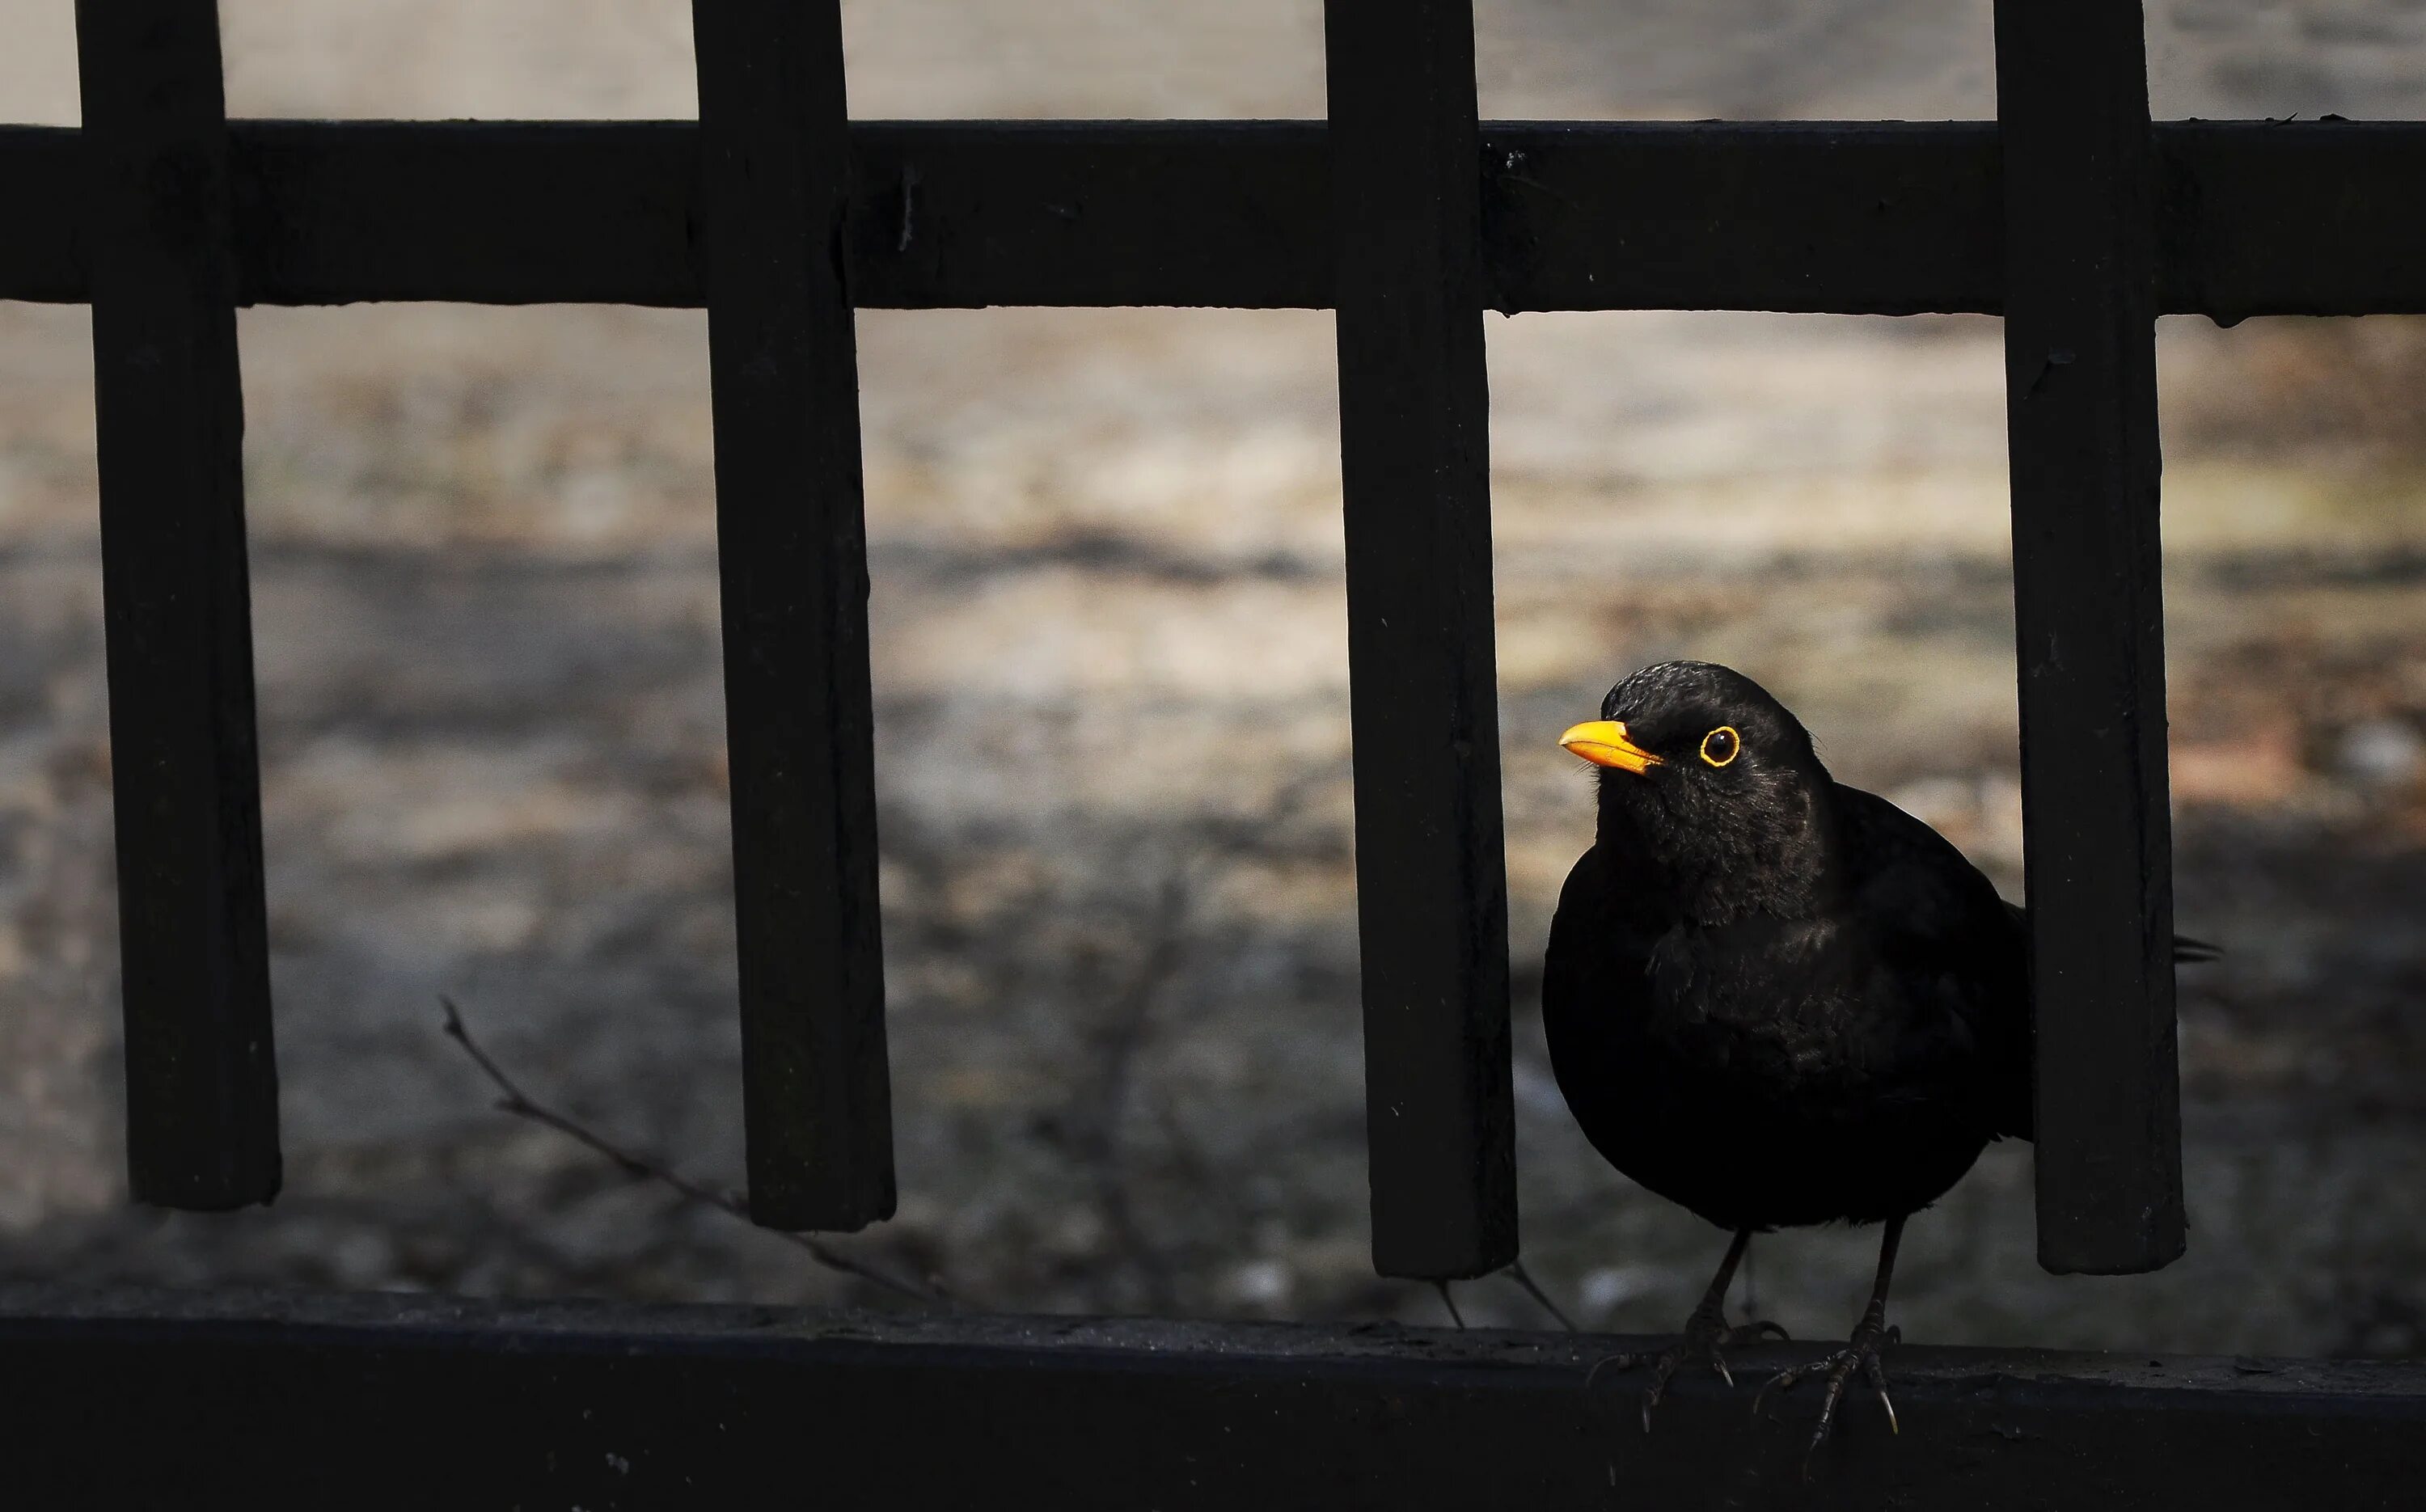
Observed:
{"x":2071,"y":215}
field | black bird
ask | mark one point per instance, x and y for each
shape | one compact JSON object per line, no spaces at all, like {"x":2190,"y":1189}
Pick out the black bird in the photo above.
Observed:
{"x":1775,"y":1000}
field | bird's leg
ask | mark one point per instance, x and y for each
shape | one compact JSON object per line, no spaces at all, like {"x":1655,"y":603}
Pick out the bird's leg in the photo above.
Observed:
{"x":1706,"y":1336}
{"x":1861,"y":1353}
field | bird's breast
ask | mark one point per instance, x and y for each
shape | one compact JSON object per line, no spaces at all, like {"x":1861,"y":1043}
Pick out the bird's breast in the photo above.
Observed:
{"x":1767,"y":1001}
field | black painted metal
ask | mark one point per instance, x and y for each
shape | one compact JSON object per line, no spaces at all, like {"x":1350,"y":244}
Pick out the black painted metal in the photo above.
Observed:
{"x":2301,"y":217}
{"x":401,"y":1402}
{"x":791,"y":544}
{"x":201,"y":1083}
{"x":2080,"y":395}
{"x":2072,"y":215}
{"x":1414,"y":444}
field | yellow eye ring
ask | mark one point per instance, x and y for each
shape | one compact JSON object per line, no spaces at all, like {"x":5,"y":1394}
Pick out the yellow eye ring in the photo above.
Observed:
{"x":1722,"y":746}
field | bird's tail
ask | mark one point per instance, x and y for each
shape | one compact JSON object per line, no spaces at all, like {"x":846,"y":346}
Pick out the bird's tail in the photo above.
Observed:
{"x":2185,"y":948}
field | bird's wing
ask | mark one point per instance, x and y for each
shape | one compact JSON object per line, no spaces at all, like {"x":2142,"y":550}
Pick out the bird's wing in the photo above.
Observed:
{"x":1954,"y":949}
{"x":1958,"y":948}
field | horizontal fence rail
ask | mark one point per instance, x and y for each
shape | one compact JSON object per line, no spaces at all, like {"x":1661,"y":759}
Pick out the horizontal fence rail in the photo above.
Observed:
{"x":401,"y":1402}
{"x":2253,"y":219}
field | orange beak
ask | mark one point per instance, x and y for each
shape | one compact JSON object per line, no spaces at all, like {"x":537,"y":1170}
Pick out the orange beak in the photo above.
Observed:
{"x":1603,"y":743}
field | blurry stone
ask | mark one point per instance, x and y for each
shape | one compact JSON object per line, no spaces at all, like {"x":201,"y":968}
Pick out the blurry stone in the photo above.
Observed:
{"x":2382,"y":753}
{"x":1264,"y":1284}
{"x":1610,"y":1287}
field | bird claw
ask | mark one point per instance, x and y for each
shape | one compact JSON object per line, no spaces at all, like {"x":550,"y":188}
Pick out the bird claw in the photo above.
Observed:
{"x":1706,"y":1336}
{"x":1859,"y":1354}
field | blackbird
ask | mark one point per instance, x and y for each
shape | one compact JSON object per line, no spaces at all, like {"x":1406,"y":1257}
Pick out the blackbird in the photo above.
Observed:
{"x":1775,"y":1000}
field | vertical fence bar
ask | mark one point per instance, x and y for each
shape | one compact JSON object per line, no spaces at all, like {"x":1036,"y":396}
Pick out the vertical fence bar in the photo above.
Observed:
{"x":2081,"y":379}
{"x":1414,"y":458}
{"x":792,"y":544}
{"x":202,"y":1082}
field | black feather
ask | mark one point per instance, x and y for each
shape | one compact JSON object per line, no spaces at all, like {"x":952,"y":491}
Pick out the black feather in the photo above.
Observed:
{"x":1774,"y":999}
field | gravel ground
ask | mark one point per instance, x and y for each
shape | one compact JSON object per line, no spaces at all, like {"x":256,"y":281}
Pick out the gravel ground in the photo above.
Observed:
{"x":1112,"y":739}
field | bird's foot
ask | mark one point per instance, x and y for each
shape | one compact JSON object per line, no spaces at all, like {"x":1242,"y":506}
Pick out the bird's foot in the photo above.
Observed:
{"x":1706,"y":1337}
{"x":1859,"y":1354}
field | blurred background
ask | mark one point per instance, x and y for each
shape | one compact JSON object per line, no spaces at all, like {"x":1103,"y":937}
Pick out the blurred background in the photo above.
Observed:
{"x":1112,"y":739}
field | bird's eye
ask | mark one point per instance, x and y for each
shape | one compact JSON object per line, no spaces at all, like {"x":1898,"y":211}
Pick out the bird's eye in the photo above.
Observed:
{"x":1722,"y":746}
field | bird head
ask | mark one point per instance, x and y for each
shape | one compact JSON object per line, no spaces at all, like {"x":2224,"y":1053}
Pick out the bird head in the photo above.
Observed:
{"x":1711,"y":796}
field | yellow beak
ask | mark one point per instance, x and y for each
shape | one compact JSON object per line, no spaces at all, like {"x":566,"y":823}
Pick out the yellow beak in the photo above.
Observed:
{"x":1603,"y":743}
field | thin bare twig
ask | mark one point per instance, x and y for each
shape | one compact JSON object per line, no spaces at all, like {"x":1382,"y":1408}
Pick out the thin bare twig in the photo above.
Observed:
{"x":1516,"y":1272}
{"x":1119,"y":1040}
{"x":1525,"y":1279}
{"x":521,"y":1104}
{"x":1450,"y":1302}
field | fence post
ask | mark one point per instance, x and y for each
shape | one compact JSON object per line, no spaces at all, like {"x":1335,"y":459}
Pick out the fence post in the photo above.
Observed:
{"x":791,"y":541}
{"x":1432,"y":891}
{"x":202,"y":1084}
{"x":2081,"y":386}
